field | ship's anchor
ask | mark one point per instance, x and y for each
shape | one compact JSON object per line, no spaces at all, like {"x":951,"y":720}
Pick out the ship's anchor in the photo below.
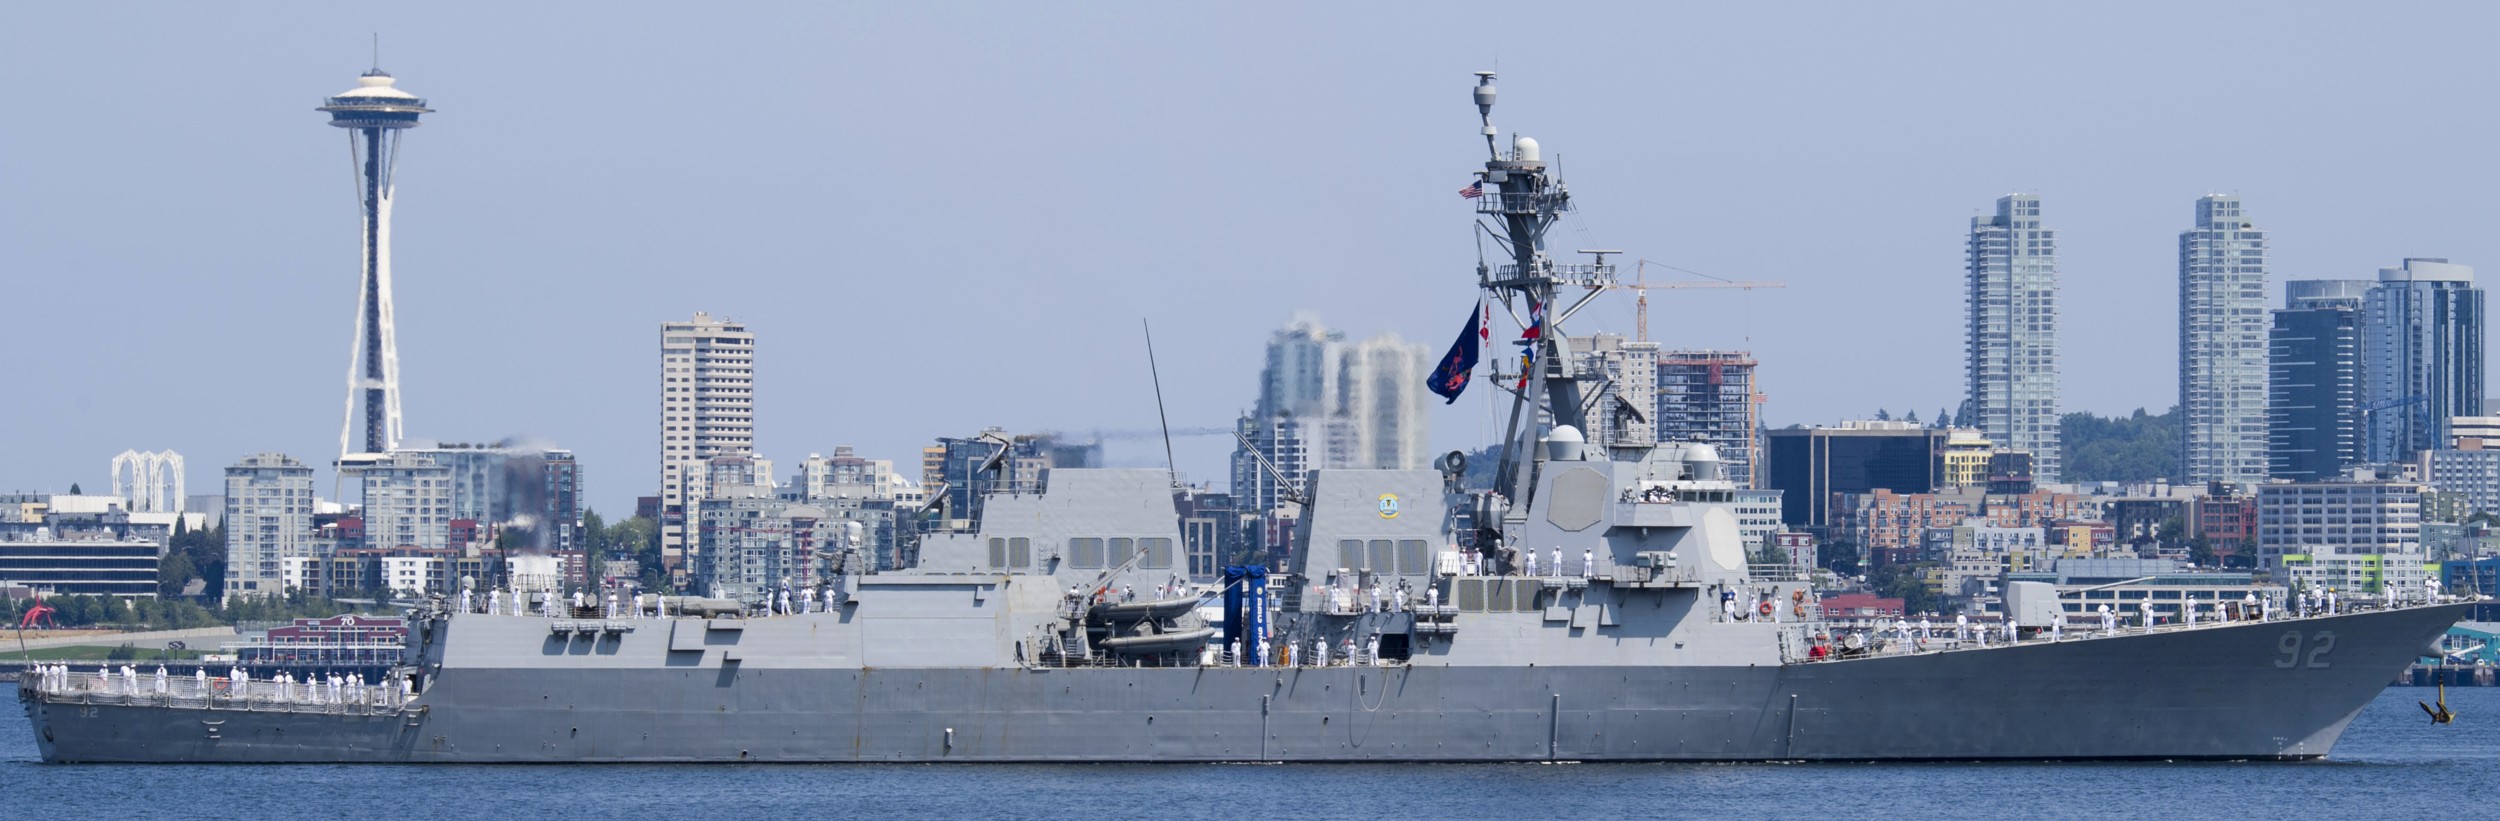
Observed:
{"x":2439,"y":714}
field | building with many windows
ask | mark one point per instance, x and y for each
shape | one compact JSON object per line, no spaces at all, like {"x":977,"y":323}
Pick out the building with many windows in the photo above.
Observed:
{"x":269,"y":519}
{"x":85,"y":567}
{"x":2222,"y":345}
{"x":2422,"y":356}
{"x":1710,"y":396}
{"x":2010,"y":346}
{"x":1623,"y":393}
{"x":2313,"y":383}
{"x":407,"y":501}
{"x":1813,"y":466}
{"x":2347,"y":536}
{"x":707,"y":409}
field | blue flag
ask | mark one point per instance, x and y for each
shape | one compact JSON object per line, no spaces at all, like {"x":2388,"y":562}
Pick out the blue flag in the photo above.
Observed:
{"x":1458,"y":367}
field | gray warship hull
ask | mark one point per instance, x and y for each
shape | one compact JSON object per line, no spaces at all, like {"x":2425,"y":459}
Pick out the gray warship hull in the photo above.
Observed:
{"x":2251,"y":690}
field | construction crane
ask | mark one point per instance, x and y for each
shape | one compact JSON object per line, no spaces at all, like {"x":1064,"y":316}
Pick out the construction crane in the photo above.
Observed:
{"x":1642,"y":284}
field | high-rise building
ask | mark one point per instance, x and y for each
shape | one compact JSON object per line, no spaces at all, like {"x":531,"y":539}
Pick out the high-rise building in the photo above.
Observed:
{"x":1622,"y":394}
{"x":2222,"y":345}
{"x":269,"y":519}
{"x":1302,"y":370}
{"x":407,"y":502}
{"x":707,"y":409}
{"x":560,"y":519}
{"x":2313,"y":384}
{"x":375,"y":115}
{"x":2011,"y":343}
{"x":1711,"y":396}
{"x":1383,"y":402}
{"x":2422,"y":356}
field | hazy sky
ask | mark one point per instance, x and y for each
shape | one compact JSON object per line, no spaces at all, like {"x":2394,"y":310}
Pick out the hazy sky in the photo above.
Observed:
{"x":944,"y":216}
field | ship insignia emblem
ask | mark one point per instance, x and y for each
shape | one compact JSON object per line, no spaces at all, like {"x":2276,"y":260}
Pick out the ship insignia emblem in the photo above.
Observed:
{"x":1388,"y":505}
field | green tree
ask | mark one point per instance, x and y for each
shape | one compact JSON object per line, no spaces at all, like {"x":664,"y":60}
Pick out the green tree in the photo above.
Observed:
{"x":1839,"y":556}
{"x":1907,"y":582}
{"x":172,"y":572}
{"x":2134,"y":448}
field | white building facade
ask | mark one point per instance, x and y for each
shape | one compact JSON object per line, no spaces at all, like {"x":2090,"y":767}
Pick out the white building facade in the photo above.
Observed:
{"x":2010,"y":345}
{"x":2350,"y":537}
{"x":269,"y":512}
{"x":707,"y":409}
{"x":2222,"y":345}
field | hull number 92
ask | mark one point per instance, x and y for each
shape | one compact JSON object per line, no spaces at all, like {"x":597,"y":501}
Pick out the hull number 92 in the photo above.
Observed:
{"x":2310,"y":653}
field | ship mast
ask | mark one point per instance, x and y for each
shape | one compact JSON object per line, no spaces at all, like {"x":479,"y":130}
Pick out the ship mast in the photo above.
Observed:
{"x":1523,"y":199}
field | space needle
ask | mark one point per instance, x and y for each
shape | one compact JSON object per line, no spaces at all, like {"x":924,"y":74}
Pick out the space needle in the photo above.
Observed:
{"x":374,"y":114}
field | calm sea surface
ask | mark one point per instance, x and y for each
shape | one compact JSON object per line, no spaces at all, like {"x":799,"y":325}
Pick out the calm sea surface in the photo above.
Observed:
{"x":2392,"y":762}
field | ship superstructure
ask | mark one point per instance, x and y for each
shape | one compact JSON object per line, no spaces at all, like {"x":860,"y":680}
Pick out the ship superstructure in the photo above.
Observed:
{"x":1595,"y":603}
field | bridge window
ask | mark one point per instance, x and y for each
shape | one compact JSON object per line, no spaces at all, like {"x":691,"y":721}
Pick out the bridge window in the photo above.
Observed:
{"x":1121,"y":550}
{"x":1158,"y":553}
{"x":1350,"y":555}
{"x":1383,"y":557}
{"x":1020,"y":552}
{"x":1085,"y":553}
{"x":998,"y":552}
{"x":1470,"y":595}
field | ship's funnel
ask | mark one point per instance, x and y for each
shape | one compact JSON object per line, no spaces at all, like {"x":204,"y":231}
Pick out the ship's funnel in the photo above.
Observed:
{"x":1565,"y":444}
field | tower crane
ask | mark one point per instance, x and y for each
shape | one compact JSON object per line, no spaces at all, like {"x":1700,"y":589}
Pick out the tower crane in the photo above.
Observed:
{"x":1642,"y":285}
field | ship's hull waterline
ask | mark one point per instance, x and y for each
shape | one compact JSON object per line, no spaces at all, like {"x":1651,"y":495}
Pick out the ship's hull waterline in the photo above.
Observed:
{"x":2245,"y":691}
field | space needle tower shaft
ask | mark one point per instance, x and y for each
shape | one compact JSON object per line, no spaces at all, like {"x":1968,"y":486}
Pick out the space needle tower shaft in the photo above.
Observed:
{"x":374,"y":114}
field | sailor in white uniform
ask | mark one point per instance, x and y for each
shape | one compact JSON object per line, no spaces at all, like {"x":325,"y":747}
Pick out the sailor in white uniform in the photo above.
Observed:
{"x":2109,"y":620}
{"x":1554,"y":557}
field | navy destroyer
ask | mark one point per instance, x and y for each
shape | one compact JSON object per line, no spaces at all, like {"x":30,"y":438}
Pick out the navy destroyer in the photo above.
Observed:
{"x":1596,"y":604}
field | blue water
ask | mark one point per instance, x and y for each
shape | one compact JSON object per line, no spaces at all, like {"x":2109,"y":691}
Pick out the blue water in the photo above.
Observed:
{"x":2392,"y":762}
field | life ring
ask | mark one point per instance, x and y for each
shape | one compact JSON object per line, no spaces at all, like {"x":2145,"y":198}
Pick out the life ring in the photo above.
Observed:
{"x":1798,"y":595}
{"x":1767,"y":609}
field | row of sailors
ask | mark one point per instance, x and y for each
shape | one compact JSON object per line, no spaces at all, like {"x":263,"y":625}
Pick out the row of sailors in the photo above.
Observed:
{"x":1470,"y":564}
{"x":332,"y":688}
{"x":1319,"y":655}
{"x":1380,"y":599}
{"x":499,"y":603}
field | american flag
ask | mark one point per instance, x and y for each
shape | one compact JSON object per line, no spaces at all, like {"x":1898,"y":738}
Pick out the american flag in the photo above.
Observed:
{"x":1472,"y":191}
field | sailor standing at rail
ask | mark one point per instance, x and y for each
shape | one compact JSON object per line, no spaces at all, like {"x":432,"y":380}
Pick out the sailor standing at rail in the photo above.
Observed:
{"x":1319,"y":652}
{"x":1588,"y":563}
{"x":1727,"y":605}
{"x":467,"y":601}
{"x":2109,"y":620}
{"x":1926,"y":629}
{"x":160,"y":679}
{"x":1554,"y":557}
{"x":1530,"y":559}
{"x":2430,"y":590}
{"x":1432,"y":595}
{"x":2330,"y":601}
{"x":1961,"y":627}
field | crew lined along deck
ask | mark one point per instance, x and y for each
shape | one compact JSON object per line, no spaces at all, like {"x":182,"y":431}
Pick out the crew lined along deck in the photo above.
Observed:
{"x":333,"y":693}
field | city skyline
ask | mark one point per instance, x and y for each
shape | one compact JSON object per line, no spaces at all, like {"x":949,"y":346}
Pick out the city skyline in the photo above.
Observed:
{"x":528,"y":280}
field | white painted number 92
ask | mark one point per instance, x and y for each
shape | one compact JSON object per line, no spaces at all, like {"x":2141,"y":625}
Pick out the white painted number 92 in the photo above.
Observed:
{"x":2290,"y":646}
